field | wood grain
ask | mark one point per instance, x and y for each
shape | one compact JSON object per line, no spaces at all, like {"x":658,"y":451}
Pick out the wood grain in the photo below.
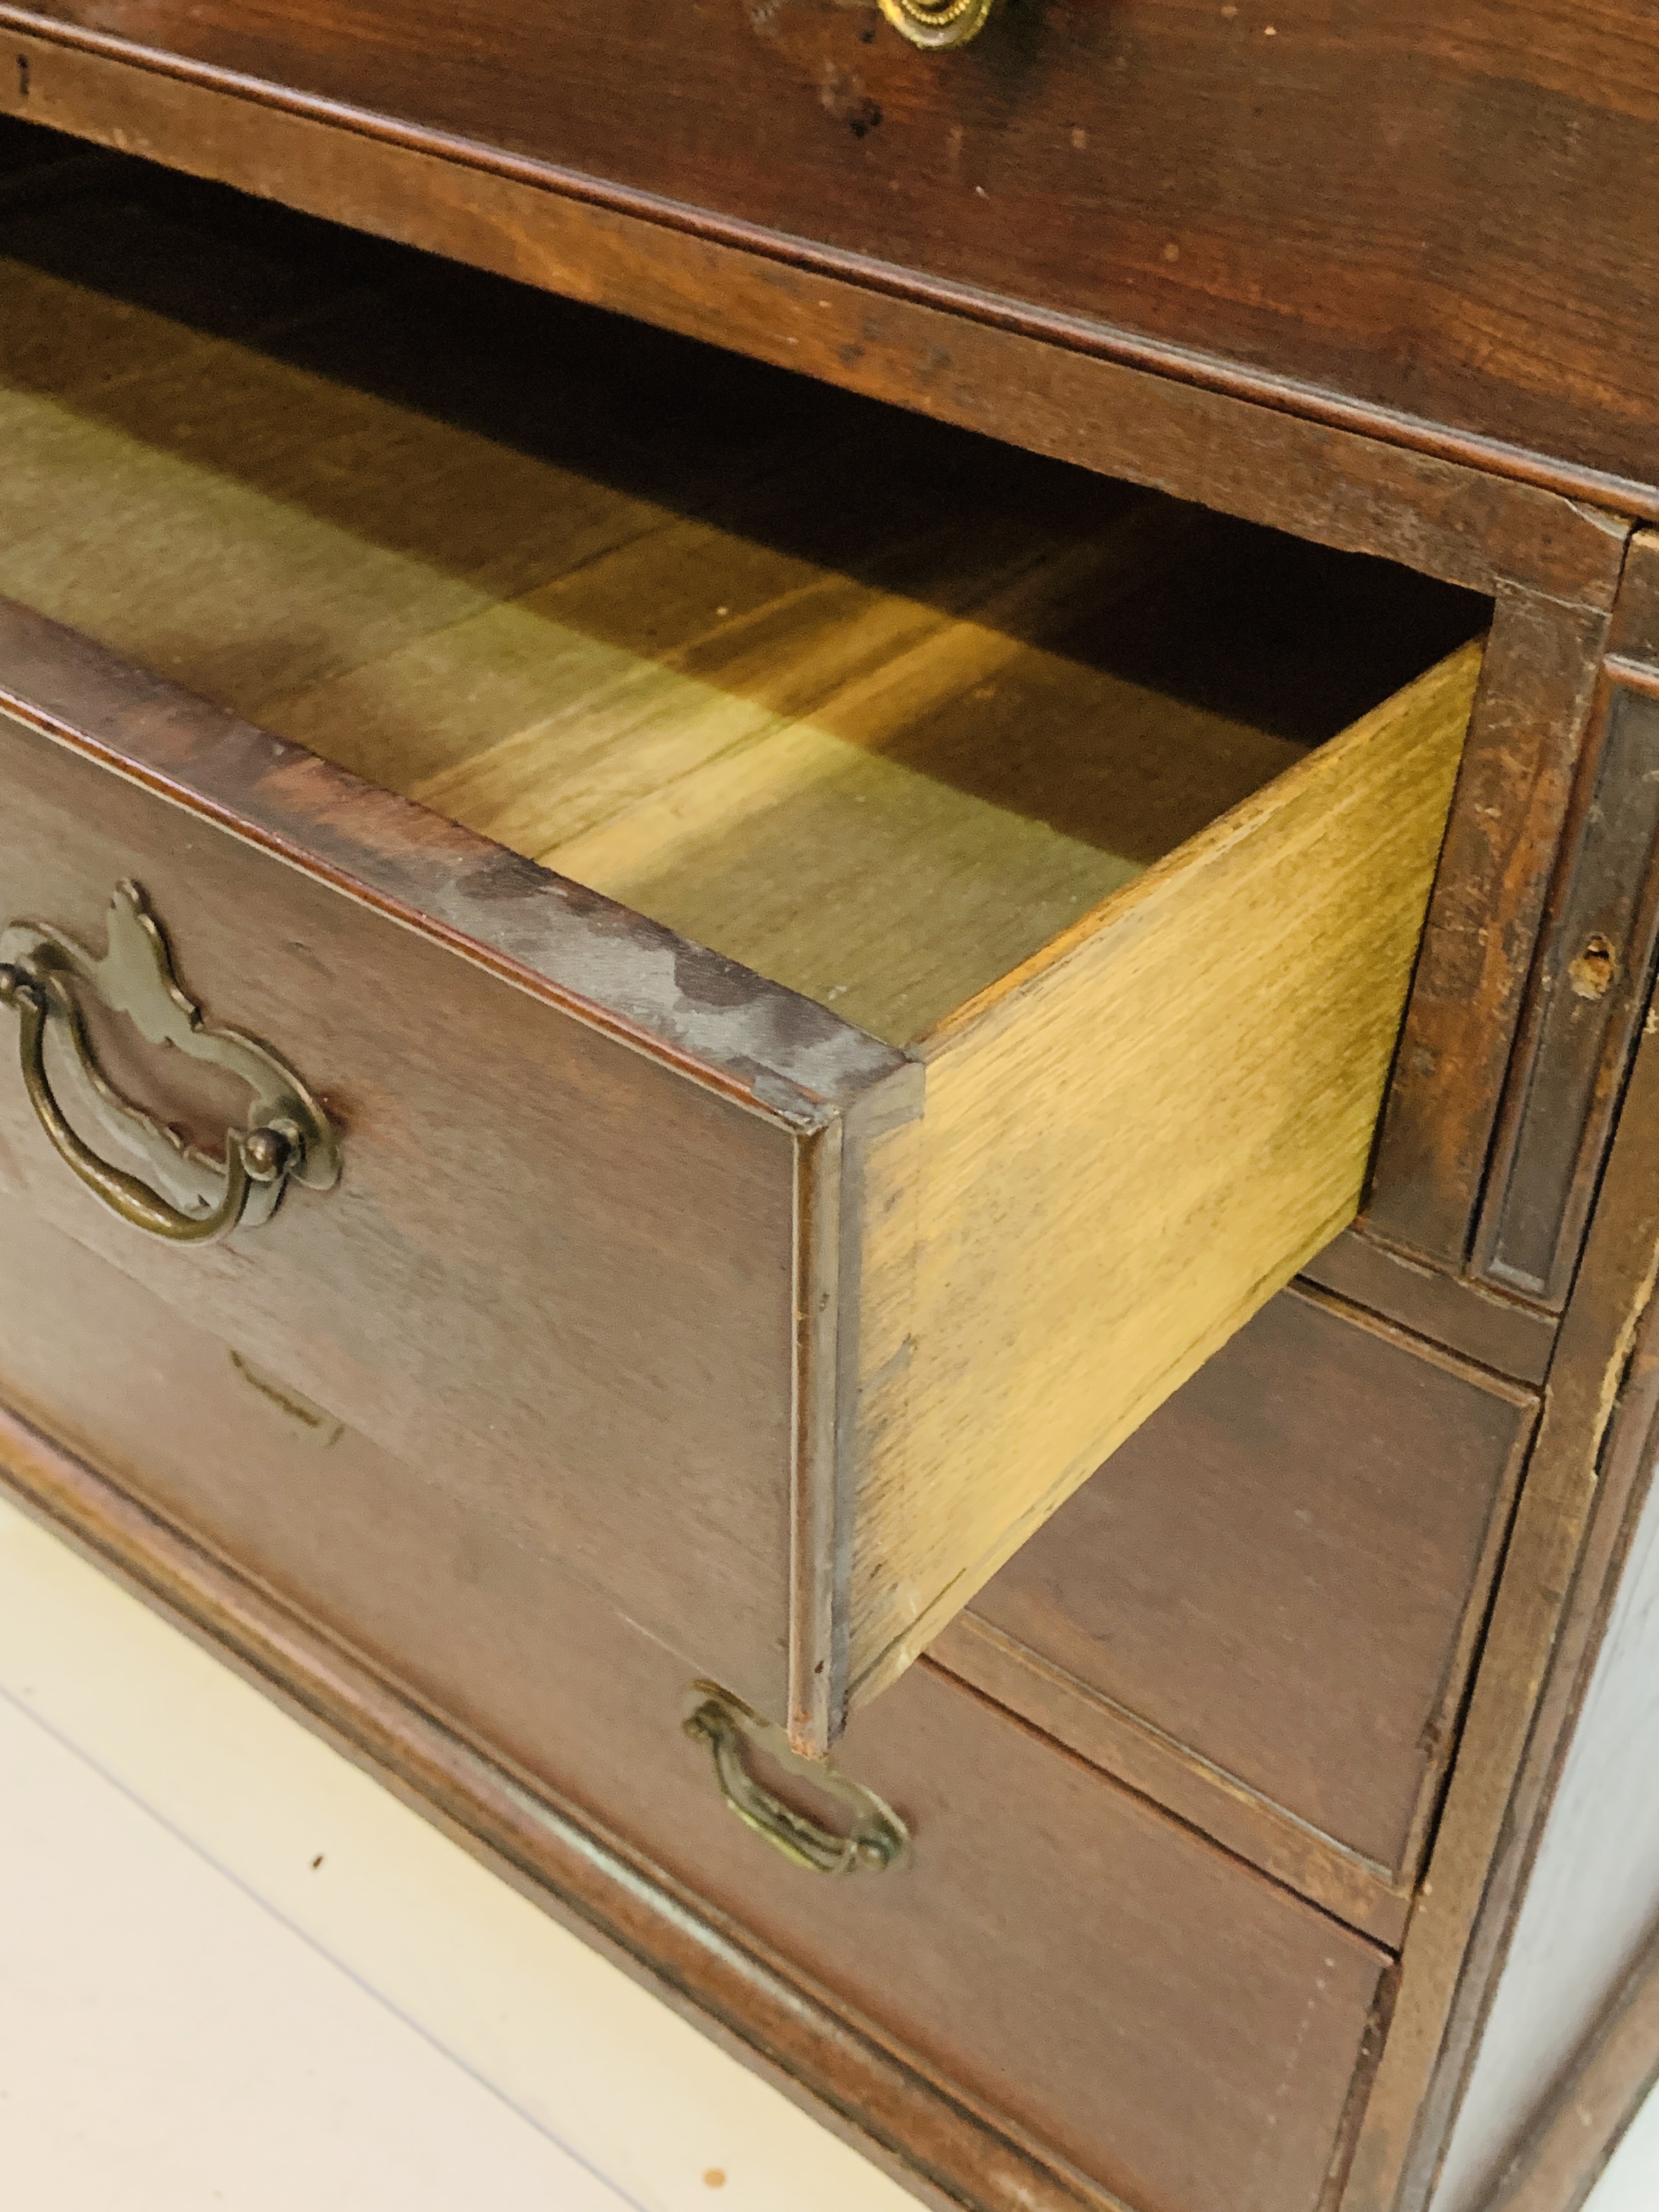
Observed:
{"x":1281,"y":1576}
{"x":616,"y":972}
{"x":965,"y":363}
{"x":1190,"y":2043}
{"x":889,"y":746}
{"x":1592,"y":977}
{"x":700,"y":1961}
{"x":435,"y":713}
{"x":1532,"y":712}
{"x":1467,"y":1317}
{"x":1429,"y":225}
{"x":495,"y":1289}
{"x":1590,"y":991}
{"x":1117,"y":1140}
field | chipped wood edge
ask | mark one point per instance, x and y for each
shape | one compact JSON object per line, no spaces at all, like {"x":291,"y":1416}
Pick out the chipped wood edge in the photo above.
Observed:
{"x":769,"y":1050}
{"x":833,"y":1199}
{"x":818,"y":1505}
{"x":850,"y":1193}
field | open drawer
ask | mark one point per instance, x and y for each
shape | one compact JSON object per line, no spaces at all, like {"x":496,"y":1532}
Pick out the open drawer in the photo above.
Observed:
{"x":840,"y":962}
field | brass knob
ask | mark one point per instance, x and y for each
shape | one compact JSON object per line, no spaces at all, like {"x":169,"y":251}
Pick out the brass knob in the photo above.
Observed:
{"x":937,"y":22}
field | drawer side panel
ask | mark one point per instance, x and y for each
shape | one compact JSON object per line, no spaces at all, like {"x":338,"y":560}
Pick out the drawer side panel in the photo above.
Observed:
{"x":1130,"y":1149}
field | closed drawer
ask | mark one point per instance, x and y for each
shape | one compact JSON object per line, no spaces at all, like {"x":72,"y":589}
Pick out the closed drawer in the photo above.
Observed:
{"x":1155,"y":176}
{"x":1263,"y":1609}
{"x":1088,"y":1974}
{"x":1033,"y":873}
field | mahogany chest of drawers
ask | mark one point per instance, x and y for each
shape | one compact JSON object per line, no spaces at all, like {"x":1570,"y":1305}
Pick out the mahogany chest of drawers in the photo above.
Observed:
{"x":731,"y":1101}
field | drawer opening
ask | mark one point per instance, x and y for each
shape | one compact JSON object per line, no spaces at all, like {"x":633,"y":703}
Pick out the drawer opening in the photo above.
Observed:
{"x":877,"y":708}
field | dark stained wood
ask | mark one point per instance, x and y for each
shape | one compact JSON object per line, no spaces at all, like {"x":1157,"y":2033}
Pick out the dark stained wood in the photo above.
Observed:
{"x":1281,"y":1574}
{"x":1341,"y":488}
{"x":1187,"y":2042}
{"x":424,"y":1428}
{"x":1469,"y":1317}
{"x":1537,"y":690}
{"x":555,"y":1270}
{"x":1636,"y":636}
{"x":1572,"y":2139}
{"x":1435,"y":223}
{"x":199,"y":421}
{"x":1591,"y":991}
{"x":1216,"y":1803}
{"x":424,"y":528}
{"x":1593,"y":974}
{"x":1586,"y":1479}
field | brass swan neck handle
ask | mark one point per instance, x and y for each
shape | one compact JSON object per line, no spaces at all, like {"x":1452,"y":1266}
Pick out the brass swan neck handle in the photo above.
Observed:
{"x":251,"y":1156}
{"x":199,"y":1200}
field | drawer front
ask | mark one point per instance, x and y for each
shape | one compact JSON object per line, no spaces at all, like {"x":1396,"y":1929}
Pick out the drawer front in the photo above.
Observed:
{"x":1266,"y":1602}
{"x":1257,"y":190}
{"x":555,"y":1275}
{"x":1086,"y":1970}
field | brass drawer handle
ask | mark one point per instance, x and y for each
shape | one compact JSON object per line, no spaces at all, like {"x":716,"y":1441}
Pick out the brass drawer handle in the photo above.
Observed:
{"x":876,"y":1837}
{"x":288,"y":1139}
{"x":937,"y":23}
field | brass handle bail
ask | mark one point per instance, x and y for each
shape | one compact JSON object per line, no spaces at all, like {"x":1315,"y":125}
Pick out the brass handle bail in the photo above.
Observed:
{"x":875,"y":1836}
{"x":200,"y":1200}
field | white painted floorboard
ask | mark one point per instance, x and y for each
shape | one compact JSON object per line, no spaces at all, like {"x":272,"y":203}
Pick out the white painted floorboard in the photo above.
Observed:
{"x":235,"y":1973}
{"x":166,"y":2041}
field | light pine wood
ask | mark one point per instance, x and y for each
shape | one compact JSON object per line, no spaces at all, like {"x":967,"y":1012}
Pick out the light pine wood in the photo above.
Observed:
{"x":882,"y":799}
{"x":880,"y":749}
{"x":944,"y":813}
{"x":1132,"y":1144}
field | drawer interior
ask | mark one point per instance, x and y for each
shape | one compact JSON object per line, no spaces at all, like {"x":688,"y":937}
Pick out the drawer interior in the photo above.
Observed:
{"x":877,"y":708}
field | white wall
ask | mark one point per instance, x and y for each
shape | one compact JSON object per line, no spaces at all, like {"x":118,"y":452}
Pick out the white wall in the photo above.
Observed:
{"x":1595,"y":1894}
